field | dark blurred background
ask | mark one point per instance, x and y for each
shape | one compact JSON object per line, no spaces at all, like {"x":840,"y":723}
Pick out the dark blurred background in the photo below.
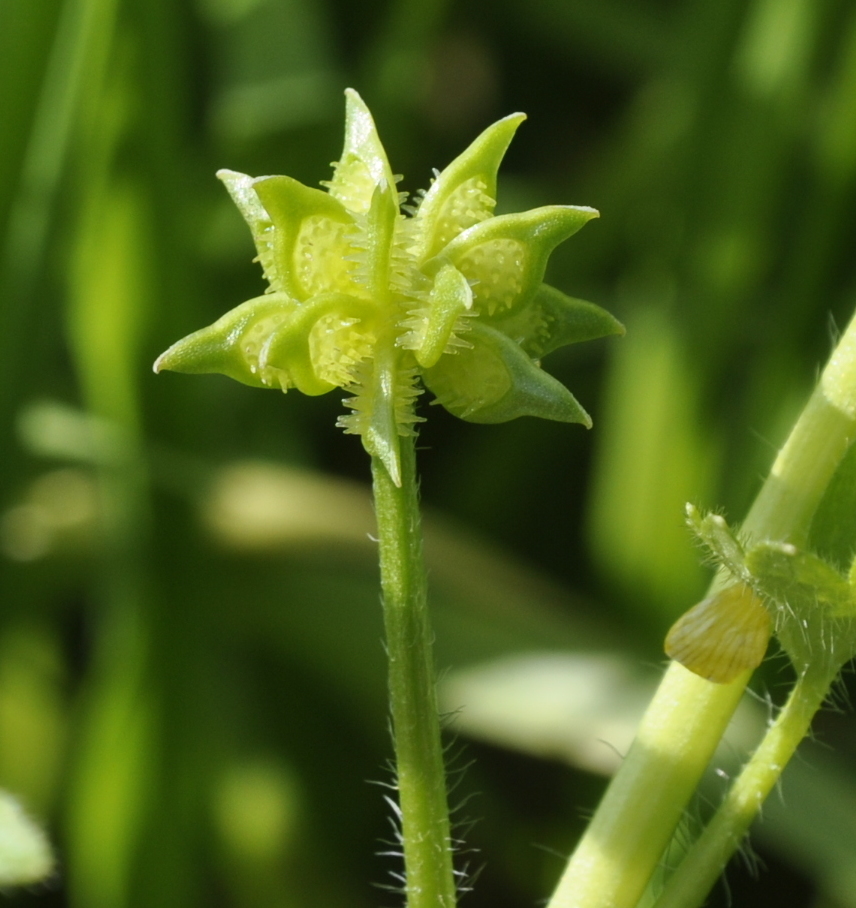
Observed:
{"x":191,"y":668}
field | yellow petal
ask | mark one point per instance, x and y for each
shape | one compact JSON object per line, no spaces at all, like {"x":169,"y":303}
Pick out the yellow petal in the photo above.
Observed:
{"x":722,"y":636}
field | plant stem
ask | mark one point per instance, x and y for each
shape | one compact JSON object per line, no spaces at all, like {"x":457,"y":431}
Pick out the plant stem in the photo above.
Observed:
{"x":641,"y":808}
{"x":421,"y":778}
{"x":681,"y":728}
{"x":698,"y":871}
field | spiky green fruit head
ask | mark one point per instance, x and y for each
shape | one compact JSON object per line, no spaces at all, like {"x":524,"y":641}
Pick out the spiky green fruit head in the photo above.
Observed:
{"x":367,"y":299}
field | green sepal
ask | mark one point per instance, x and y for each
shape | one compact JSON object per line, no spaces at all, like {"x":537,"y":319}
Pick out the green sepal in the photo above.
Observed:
{"x":363,"y":163}
{"x":222,"y":346}
{"x":288,"y":204}
{"x":450,"y":298}
{"x":504,"y":258}
{"x":553,"y":320}
{"x":465,"y":192}
{"x":494,"y":381}
{"x":240,"y":187}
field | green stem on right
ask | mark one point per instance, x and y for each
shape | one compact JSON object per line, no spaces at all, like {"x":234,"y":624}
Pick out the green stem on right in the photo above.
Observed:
{"x":698,"y":871}
{"x":678,"y":735}
{"x":420,"y":774}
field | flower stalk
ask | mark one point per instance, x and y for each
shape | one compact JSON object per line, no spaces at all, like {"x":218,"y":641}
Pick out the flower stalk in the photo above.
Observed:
{"x":364,"y":298}
{"x":420,"y":775}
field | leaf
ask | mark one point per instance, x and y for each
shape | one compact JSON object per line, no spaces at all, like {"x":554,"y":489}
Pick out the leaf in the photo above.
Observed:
{"x":579,"y":707}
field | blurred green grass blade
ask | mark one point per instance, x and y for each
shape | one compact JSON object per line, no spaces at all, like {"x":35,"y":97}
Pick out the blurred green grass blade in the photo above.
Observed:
{"x":775,"y":48}
{"x":74,"y":68}
{"x":836,"y":135}
{"x":278,"y":68}
{"x":651,"y":461}
{"x":26,"y":31}
{"x":109,"y":299}
{"x":812,"y":824}
{"x":111,"y":792}
{"x":33,"y":722}
{"x":618,"y":36}
{"x":399,"y":58}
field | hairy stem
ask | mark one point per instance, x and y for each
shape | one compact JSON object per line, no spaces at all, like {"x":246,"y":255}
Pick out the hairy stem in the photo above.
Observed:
{"x":687,"y":717}
{"x":701,"y":866}
{"x":418,"y":750}
{"x":639,"y":812}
